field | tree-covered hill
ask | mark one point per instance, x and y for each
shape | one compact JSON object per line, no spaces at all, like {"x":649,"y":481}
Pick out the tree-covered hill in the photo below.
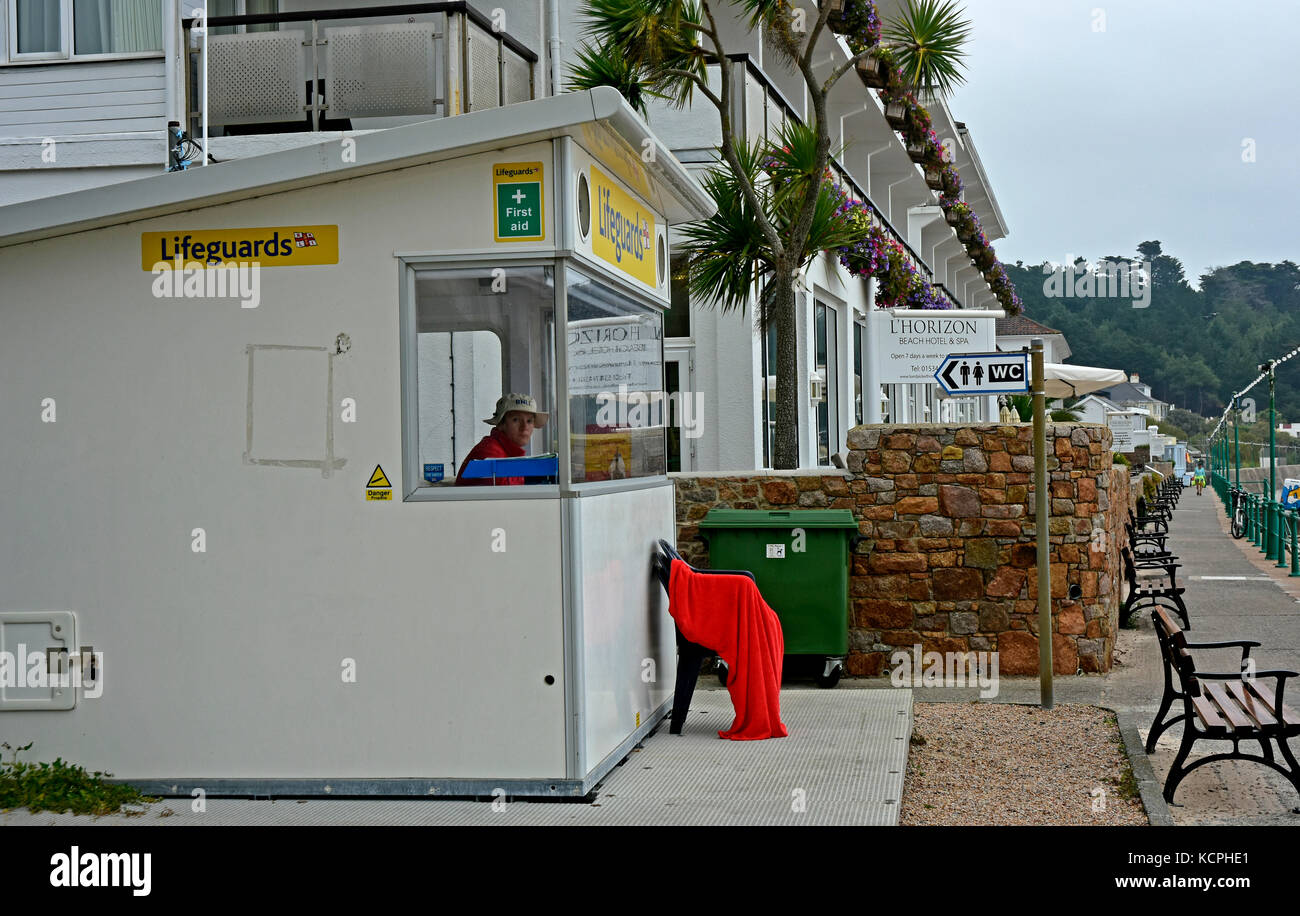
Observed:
{"x":1193,"y":347}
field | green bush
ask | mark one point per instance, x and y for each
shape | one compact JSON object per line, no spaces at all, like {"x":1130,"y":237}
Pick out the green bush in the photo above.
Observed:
{"x":1120,"y":459}
{"x":61,"y":786}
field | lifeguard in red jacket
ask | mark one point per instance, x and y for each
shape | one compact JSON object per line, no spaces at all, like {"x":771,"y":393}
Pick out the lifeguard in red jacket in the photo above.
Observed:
{"x":513,"y":423}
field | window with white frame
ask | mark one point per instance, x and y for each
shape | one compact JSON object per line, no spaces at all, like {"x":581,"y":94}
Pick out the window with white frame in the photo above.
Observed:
{"x":826,"y":381}
{"x":859,"y":347}
{"x":476,"y":340}
{"x":240,"y":8}
{"x":53,"y":30}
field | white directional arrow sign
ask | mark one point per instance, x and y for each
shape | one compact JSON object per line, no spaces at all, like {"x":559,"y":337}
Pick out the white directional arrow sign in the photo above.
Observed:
{"x":983,"y":373}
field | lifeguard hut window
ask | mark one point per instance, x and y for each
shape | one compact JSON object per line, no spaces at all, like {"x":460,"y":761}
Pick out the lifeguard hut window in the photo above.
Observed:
{"x":617,"y":408}
{"x":480,"y":332}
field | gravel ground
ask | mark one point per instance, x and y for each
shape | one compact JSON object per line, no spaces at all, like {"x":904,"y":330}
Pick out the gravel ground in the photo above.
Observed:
{"x":998,"y":763}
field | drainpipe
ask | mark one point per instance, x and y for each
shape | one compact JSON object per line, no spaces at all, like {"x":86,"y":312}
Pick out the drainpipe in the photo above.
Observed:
{"x":175,"y":83}
{"x":554,"y":43}
{"x":871,"y":383}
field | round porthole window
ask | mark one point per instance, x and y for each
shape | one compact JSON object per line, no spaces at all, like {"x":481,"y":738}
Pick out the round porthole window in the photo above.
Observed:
{"x":661,"y":254}
{"x":584,"y":208}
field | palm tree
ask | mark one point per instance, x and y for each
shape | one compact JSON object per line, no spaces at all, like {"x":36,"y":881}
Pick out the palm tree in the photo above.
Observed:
{"x":728,"y":253}
{"x":1023,"y":404}
{"x":926,"y":41}
{"x":603,"y":66}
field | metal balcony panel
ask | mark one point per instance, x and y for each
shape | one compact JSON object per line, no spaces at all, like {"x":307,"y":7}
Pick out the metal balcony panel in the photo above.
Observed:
{"x":257,"y":78}
{"x":519,"y":79}
{"x":381,"y":70}
{"x":483,"y":69}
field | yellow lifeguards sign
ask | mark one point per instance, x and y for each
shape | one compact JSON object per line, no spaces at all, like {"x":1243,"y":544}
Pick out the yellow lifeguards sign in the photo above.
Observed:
{"x":268,"y":246}
{"x":625,"y":230}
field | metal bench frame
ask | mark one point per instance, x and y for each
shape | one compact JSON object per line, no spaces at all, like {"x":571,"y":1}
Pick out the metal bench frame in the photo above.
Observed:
{"x":1138,"y":592}
{"x":1240,"y":710}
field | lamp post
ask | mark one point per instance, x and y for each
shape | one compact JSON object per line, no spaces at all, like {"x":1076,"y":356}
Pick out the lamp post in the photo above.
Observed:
{"x":1040,"y":525}
{"x":1236,"y":439}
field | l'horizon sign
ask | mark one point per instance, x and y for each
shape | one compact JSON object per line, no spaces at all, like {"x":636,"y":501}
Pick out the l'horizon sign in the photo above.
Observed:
{"x":910,"y":349}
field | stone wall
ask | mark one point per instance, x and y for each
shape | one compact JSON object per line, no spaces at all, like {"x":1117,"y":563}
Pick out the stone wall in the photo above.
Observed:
{"x":948,"y":555}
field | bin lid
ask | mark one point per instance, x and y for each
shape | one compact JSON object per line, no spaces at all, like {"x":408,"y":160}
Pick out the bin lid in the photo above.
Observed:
{"x":779,"y":518}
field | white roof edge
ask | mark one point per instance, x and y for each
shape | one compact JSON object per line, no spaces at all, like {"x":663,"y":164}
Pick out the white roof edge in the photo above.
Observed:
{"x":969,"y":146}
{"x":380,"y":151}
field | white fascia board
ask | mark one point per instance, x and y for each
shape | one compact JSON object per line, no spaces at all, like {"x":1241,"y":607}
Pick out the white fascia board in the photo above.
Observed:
{"x":994,"y":210}
{"x":381,"y":151}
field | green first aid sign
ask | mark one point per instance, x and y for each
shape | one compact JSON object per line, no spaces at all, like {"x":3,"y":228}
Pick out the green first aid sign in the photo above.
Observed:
{"x":517,"y":193}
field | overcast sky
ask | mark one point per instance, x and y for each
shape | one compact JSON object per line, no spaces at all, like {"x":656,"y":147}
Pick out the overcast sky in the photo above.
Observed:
{"x":1095,"y":140}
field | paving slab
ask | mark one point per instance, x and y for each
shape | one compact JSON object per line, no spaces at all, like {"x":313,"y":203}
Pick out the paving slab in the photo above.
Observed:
{"x":843,"y":763}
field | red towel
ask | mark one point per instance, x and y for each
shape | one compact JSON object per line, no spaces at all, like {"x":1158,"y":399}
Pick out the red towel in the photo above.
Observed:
{"x":728,"y":614}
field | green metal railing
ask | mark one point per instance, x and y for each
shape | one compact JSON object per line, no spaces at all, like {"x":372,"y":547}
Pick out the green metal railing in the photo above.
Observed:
{"x":1270,"y":526}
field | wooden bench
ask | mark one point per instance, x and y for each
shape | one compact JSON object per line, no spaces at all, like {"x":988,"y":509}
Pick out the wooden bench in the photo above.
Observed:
{"x":1221,"y":707}
{"x":1146,"y":542}
{"x":1159,"y":524}
{"x":1142,"y":588}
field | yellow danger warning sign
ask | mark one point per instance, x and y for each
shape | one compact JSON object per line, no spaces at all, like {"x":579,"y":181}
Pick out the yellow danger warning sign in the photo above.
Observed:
{"x":378,"y":487}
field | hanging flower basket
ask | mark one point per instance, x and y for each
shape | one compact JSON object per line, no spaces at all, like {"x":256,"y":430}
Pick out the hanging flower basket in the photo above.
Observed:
{"x":871,"y":72}
{"x":917,"y":151}
{"x":934,"y":178}
{"x":896,"y":114}
{"x":953,"y":217}
{"x":836,"y":21}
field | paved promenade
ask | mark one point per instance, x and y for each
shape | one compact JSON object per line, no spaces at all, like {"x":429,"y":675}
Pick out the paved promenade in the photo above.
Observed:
{"x":1232,"y":593}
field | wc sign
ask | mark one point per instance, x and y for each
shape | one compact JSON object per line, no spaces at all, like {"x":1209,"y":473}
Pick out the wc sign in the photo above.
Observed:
{"x":983,"y":373}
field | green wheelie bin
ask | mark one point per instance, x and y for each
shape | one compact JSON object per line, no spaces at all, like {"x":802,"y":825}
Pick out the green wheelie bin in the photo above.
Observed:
{"x":800,"y":558}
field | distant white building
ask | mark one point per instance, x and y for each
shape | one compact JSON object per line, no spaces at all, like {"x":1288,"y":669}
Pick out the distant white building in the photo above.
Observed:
{"x":1094,"y":409}
{"x":1015,"y":332}
{"x":1136,"y":394}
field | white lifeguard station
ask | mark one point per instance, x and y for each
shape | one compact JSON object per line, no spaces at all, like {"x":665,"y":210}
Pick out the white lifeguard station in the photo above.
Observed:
{"x":233,"y":487}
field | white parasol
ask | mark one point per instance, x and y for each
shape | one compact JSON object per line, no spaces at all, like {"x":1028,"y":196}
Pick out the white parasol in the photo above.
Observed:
{"x":1064,"y":381}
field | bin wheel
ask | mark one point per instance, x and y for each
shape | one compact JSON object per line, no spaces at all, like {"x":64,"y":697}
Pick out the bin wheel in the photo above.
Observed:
{"x":722,"y":672}
{"x":830,"y":680}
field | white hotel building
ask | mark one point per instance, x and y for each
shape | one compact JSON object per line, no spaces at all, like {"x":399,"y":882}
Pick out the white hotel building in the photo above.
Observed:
{"x":87,"y":91}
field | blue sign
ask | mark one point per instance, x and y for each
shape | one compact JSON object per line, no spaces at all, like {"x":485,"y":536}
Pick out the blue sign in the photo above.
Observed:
{"x":433,"y":472}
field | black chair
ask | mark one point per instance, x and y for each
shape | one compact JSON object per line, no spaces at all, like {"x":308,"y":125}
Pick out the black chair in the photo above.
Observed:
{"x":689,"y":655}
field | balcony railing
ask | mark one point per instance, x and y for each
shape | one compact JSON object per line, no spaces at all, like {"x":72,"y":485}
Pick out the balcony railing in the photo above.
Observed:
{"x":427,"y":59}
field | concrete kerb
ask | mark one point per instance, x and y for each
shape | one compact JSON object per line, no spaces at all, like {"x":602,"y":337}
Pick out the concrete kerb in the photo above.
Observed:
{"x":1149,"y":786}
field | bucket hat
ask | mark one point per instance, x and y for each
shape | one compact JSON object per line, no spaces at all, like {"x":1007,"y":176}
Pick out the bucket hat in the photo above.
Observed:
{"x":524,"y":402}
